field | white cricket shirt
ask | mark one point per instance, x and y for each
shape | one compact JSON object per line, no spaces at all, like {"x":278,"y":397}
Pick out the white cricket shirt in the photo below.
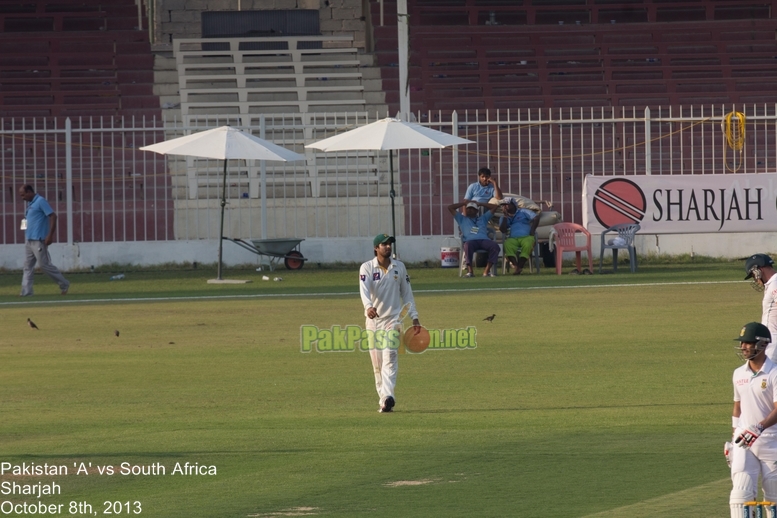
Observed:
{"x":756,"y":393}
{"x":769,"y":314}
{"x":386,"y":291}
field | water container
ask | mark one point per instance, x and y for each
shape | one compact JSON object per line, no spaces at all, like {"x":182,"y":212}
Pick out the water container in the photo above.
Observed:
{"x":449,"y":255}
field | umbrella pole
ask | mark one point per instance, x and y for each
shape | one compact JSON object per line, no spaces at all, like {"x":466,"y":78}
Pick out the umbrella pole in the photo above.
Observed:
{"x":392,"y":193}
{"x":223,"y":204}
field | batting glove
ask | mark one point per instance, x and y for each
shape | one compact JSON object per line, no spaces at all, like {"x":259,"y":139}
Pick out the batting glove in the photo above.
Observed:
{"x":727,"y":447}
{"x":748,"y":437}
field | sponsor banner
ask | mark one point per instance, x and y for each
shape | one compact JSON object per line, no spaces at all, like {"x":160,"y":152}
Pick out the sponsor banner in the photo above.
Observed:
{"x":687,"y":204}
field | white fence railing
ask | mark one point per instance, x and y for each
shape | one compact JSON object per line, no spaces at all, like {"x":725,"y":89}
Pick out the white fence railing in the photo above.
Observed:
{"x":105,"y":189}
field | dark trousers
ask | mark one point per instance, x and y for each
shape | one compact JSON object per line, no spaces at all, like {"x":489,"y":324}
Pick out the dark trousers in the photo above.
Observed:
{"x":470,"y":247}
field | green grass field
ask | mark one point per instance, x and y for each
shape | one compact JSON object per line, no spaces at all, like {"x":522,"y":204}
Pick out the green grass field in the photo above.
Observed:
{"x":601,"y":395}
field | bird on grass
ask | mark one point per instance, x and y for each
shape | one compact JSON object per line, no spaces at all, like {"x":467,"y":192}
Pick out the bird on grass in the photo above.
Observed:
{"x":491,"y":318}
{"x":116,"y":332}
{"x":32,"y":324}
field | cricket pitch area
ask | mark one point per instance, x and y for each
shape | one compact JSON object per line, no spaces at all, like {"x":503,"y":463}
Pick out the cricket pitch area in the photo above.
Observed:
{"x":587,"y":396}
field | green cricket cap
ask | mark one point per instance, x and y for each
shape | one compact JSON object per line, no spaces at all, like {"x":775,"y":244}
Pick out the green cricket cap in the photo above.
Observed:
{"x":382,"y":238}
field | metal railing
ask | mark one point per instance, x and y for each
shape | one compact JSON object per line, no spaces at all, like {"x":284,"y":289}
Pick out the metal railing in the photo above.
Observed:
{"x":106,"y":190}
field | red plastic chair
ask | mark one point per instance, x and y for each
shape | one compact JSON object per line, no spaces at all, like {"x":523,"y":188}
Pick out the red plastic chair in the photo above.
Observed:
{"x":566,"y":242}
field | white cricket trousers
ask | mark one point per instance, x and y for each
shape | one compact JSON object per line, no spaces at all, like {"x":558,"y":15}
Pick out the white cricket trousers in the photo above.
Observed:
{"x":746,"y":466}
{"x":384,"y":366}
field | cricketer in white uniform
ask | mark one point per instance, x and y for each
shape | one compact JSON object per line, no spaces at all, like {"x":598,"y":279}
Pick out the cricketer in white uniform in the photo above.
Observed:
{"x":384,"y":286}
{"x":769,"y":312}
{"x":760,"y":268}
{"x":754,"y":451}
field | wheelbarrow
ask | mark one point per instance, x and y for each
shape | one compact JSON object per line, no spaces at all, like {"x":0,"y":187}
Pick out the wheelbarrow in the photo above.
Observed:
{"x":275,"y":250}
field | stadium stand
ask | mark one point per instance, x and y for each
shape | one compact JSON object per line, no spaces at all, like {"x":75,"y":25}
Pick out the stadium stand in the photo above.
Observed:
{"x":81,"y":59}
{"x":245,"y":78}
{"x":65,"y":58}
{"x":476,"y":55}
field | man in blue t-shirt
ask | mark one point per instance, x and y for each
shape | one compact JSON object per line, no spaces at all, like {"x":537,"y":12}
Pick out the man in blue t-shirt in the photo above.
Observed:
{"x":39,"y":225}
{"x":474,"y":233}
{"x":522,"y":224}
{"x":484,"y":189}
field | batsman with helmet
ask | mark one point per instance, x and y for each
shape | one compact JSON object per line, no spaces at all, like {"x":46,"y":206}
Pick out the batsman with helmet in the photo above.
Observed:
{"x":754,"y":449}
{"x":760,"y":271}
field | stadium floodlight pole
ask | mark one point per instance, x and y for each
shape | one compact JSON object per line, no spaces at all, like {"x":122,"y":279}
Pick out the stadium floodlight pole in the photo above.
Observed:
{"x":403,"y":44}
{"x":404,"y":97}
{"x":263,"y":178}
{"x":455,"y":164}
{"x":69,"y":179}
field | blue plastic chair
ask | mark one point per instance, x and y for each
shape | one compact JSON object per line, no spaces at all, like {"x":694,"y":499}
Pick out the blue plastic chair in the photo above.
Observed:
{"x":626,"y":232}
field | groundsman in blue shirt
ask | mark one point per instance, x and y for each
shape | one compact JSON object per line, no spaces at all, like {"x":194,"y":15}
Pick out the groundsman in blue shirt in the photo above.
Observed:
{"x":39,"y":225}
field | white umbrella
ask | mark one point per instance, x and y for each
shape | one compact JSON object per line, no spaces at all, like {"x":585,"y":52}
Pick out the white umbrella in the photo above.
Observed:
{"x":224,"y":143}
{"x":388,"y":135}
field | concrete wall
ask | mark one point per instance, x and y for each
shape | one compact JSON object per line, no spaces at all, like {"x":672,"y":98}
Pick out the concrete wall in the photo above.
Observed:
{"x":324,"y":217}
{"x":411,"y":249}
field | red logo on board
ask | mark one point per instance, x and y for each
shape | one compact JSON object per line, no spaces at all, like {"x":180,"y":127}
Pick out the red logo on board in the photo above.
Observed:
{"x":619,"y":201}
